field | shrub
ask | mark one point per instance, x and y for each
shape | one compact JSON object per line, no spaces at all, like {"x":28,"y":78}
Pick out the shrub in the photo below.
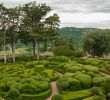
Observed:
{"x":98,"y":81}
{"x":69,"y":74}
{"x":92,"y":74}
{"x":13,"y":94}
{"x":39,"y":68}
{"x":57,"y":97}
{"x":63,"y":51}
{"x":27,"y":89}
{"x":4,"y":87}
{"x":85,"y":80}
{"x":73,"y":69}
{"x":106,"y":85}
{"x":75,"y":85}
{"x":96,"y":91}
{"x":41,"y":96}
{"x":31,"y":64}
{"x":91,"y":68}
{"x":44,"y":62}
{"x":64,"y":85}
{"x":42,"y":85}
{"x":58,"y":59}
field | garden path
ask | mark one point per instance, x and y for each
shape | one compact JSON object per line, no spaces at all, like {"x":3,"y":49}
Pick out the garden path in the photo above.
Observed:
{"x":54,"y":90}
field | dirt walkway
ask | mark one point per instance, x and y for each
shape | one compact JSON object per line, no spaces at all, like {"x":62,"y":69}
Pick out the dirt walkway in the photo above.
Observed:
{"x":54,"y":90}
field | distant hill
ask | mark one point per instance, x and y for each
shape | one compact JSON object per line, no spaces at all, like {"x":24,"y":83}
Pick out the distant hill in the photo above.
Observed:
{"x":73,"y":33}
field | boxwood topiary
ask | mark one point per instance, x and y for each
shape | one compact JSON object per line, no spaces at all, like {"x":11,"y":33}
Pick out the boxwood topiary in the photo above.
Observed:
{"x":57,"y":97}
{"x":75,"y":85}
{"x":85,"y":80}
{"x":106,"y":85}
{"x":98,"y":81}
{"x":13,"y":94}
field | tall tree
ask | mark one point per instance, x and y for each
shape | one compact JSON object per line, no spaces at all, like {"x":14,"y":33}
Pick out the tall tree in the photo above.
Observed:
{"x":33,"y":14}
{"x":97,"y":42}
{"x":52,"y":24}
{"x":3,"y":26}
{"x":12,"y":32}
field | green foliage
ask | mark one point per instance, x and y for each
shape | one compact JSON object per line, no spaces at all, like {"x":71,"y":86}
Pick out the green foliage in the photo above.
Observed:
{"x":98,"y":81}
{"x":58,"y":59}
{"x":41,"y":96}
{"x":57,"y":97}
{"x":39,"y":68}
{"x":72,"y":32}
{"x":75,"y":85}
{"x":106,"y":85}
{"x":13,"y":94}
{"x":28,"y":89}
{"x":85,"y":80}
{"x":97,"y":91}
{"x":76,"y":95}
{"x":97,"y":42}
{"x":63,"y":51}
{"x":67,"y":83}
{"x":31,"y":64}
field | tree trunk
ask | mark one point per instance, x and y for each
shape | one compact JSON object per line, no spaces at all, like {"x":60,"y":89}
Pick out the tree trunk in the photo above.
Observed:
{"x":38,"y":53}
{"x":4,"y":47}
{"x":13,"y":51}
{"x":34,"y":48}
{"x":52,"y":46}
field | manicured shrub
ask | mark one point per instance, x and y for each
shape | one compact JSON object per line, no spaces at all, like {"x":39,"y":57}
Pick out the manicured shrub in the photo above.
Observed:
{"x":91,"y":68}
{"x":73,"y":69}
{"x":27,"y":89}
{"x":39,"y":68}
{"x":106,"y":85}
{"x":13,"y":94}
{"x":92,"y":74}
{"x":57,"y":97}
{"x":98,"y":81}
{"x":96,"y":91}
{"x":58,"y":59}
{"x":44,"y":62}
{"x":42,"y":85}
{"x":41,"y":96}
{"x":31,"y":64}
{"x":64,"y":85}
{"x":75,"y":85}
{"x":69,"y":74}
{"x":85,"y":80}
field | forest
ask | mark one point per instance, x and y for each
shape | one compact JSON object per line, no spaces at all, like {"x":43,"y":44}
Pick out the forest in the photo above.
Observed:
{"x":39,"y":60}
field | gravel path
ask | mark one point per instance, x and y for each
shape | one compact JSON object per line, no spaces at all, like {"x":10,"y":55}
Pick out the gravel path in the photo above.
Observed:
{"x":54,"y":90}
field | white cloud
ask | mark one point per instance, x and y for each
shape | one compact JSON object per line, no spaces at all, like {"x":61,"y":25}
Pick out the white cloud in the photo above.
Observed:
{"x":82,"y":13}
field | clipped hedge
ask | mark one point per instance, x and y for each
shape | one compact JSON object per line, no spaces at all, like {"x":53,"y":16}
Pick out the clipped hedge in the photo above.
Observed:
{"x":58,"y":59}
{"x":57,"y":97}
{"x":41,"y":96}
{"x":98,"y":81}
{"x":85,"y":80}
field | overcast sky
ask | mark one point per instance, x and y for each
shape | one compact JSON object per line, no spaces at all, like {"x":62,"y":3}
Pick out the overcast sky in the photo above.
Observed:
{"x":75,"y":13}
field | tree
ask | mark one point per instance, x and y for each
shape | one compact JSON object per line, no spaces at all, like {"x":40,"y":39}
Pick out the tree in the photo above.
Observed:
{"x":12,"y":32}
{"x":33,"y":14}
{"x":52,"y":24}
{"x":3,"y":26}
{"x":97,"y":42}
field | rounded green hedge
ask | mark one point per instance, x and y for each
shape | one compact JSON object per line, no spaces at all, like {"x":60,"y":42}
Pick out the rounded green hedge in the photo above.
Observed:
{"x":58,"y":59}
{"x":106,"y":85}
{"x":75,"y":85}
{"x":41,"y":96}
{"x":85,"y":80}
{"x":98,"y":81}
{"x":68,"y":83}
{"x":57,"y":97}
{"x":13,"y":94}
